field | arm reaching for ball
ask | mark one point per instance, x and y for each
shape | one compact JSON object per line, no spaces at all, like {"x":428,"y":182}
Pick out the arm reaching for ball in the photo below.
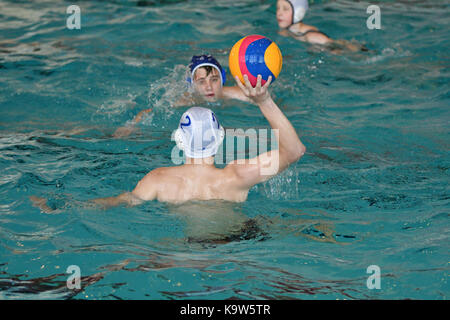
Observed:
{"x":273,"y":162}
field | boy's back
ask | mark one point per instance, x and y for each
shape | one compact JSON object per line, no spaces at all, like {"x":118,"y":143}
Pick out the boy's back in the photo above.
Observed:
{"x":191,"y":182}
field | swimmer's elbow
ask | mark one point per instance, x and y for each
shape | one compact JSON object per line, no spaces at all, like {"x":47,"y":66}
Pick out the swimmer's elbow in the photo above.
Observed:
{"x":299,"y":152}
{"x":294,"y":155}
{"x":302,"y":151}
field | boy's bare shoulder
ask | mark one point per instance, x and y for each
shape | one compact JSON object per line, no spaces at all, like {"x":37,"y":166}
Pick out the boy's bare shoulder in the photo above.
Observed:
{"x":165,"y":172}
{"x":305,"y":28}
{"x":158,"y":174}
{"x":150,"y":185}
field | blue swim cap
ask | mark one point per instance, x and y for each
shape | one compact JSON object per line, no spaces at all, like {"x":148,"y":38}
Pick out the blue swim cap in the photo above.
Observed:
{"x":206,"y":60}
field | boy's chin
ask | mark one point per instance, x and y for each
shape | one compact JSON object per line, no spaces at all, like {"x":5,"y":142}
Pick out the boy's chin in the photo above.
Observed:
{"x":283,"y":25}
{"x":210,"y":99}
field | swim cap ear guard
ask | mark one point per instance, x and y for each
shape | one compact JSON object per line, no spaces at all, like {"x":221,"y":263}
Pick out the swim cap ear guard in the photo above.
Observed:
{"x":299,"y":8}
{"x":199,"y":134}
{"x":202,"y":61}
{"x":178,"y":137}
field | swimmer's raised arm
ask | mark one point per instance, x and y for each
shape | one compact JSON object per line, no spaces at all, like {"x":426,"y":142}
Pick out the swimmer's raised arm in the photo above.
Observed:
{"x":235,"y":93}
{"x":290,"y":148}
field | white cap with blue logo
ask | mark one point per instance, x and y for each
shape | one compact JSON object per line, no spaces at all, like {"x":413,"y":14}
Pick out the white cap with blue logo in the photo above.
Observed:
{"x":199,"y":134}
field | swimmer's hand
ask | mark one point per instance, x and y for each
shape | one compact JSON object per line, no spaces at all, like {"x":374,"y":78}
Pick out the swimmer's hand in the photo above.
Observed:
{"x":348,"y":45}
{"x":344,"y":45}
{"x":126,"y":198}
{"x":124,"y":131}
{"x":127,"y":130}
{"x":41,"y":203}
{"x":259,"y":94}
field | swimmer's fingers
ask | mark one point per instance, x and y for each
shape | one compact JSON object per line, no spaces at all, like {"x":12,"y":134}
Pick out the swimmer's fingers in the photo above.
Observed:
{"x":240,"y":85}
{"x":259,"y":89}
{"x":248,"y":85}
{"x":268,"y":82}
{"x":258,"y":83}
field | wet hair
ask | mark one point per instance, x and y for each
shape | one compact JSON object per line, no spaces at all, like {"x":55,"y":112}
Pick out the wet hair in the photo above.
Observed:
{"x":208,"y":69}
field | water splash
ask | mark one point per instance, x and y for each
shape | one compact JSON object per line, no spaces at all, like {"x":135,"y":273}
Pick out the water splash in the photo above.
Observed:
{"x":164,"y":94}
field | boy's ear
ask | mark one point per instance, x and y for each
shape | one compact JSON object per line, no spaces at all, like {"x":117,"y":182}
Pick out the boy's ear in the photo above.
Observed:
{"x":190,"y":78}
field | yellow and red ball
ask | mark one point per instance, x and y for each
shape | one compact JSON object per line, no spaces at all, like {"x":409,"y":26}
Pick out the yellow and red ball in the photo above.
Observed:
{"x":254,"y":55}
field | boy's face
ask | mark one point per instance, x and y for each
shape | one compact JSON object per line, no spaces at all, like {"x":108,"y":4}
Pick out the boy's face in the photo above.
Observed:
{"x":284,"y":14}
{"x":209,"y":86}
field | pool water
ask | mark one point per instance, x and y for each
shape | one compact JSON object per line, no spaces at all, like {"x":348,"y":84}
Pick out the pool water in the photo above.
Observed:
{"x":372,"y":188}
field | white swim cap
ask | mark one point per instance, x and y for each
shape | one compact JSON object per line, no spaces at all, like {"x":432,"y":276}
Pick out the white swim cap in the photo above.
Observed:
{"x":299,"y":8}
{"x":200,"y":133}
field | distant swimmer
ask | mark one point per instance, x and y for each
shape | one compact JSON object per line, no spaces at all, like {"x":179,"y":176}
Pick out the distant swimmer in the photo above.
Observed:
{"x":290,"y":14}
{"x":207,"y":80}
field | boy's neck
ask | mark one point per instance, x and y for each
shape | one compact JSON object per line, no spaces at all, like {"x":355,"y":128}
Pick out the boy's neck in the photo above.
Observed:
{"x":297,"y":25}
{"x":200,"y":162}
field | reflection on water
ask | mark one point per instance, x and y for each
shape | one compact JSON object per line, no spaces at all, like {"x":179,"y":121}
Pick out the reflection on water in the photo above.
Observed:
{"x":51,"y":287}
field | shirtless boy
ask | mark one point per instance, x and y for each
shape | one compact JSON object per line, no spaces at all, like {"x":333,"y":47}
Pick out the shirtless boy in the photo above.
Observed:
{"x":200,"y":135}
{"x":207,"y":79}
